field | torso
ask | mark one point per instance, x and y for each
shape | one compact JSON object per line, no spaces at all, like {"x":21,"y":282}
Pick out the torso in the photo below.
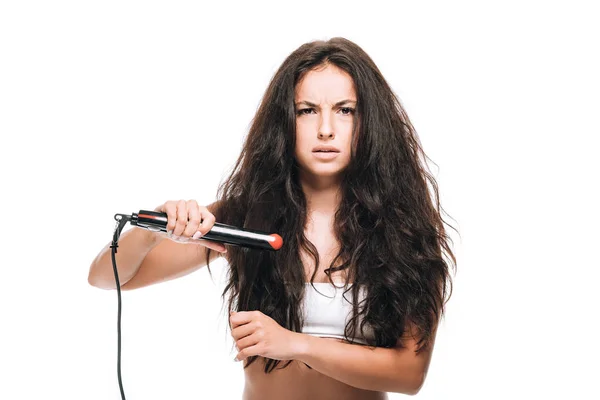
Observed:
{"x":297,"y":381}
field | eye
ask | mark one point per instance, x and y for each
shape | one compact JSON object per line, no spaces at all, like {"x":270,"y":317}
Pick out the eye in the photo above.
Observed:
{"x":305,"y":111}
{"x":347,"y":110}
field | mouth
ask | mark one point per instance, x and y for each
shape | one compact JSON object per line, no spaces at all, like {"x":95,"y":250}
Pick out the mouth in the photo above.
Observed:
{"x":325,"y":149}
{"x":325,"y":155}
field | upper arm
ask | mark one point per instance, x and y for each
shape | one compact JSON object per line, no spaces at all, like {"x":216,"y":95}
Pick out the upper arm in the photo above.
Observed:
{"x":410,"y":338}
{"x":170,"y":260}
{"x":406,"y":346}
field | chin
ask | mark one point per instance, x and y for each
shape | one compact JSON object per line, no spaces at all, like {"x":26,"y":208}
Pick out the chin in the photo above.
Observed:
{"x":324,"y":172}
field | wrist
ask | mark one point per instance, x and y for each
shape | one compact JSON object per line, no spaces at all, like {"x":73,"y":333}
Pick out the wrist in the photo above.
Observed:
{"x":303,"y":345}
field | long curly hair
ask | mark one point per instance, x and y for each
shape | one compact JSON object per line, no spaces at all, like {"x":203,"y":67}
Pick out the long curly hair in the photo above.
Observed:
{"x":390,"y":230}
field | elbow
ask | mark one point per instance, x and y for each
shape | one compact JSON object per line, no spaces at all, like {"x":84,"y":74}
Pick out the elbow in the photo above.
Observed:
{"x":416,"y":387}
{"x":96,"y":281}
{"x":413,"y":386}
{"x":90,"y":280}
{"x":418,"y":383}
{"x":93,"y":279}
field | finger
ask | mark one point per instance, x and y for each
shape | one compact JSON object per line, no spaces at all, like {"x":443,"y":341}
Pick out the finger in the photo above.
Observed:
{"x":248,"y":352}
{"x":241,"y":318}
{"x":182,"y":218}
{"x":170,"y":208}
{"x":242,"y":331}
{"x":208,"y":220}
{"x":248,"y":341}
{"x":193,"y":218}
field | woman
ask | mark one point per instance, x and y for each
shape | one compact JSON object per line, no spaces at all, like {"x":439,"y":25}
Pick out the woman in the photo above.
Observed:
{"x":348,"y":308}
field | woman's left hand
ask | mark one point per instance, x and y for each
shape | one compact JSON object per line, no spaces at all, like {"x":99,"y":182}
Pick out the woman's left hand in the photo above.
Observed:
{"x":257,"y":334}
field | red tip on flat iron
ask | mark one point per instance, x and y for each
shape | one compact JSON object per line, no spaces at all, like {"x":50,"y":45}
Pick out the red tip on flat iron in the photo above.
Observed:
{"x":277,"y":241}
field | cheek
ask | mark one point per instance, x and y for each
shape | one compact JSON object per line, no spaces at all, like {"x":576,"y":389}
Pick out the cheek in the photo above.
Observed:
{"x":304,"y":125}
{"x":302,"y":134}
{"x":300,"y":145}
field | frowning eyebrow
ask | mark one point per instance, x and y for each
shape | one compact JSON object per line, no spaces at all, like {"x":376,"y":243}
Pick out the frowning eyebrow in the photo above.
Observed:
{"x":338,"y":104}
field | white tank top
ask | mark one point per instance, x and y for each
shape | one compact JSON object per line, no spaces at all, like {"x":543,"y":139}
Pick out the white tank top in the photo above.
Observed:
{"x":326,"y":316}
{"x":327,"y":310}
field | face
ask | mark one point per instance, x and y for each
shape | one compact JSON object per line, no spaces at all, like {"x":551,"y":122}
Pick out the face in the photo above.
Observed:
{"x":325,"y":101}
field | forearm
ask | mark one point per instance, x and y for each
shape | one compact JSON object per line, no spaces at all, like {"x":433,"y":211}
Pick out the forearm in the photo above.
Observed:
{"x":134,"y":245}
{"x":378,"y":369}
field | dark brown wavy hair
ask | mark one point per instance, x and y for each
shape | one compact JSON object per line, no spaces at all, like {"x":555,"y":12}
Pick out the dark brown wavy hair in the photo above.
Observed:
{"x":391,"y":233}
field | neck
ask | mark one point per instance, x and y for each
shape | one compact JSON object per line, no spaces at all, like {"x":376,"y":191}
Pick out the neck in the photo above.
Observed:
{"x":323,"y":196}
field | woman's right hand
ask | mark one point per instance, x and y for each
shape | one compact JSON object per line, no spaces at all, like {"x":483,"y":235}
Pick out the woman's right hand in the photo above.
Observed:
{"x":187,"y":222}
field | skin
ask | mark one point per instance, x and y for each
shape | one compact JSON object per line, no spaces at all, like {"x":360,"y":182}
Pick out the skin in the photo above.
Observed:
{"x":325,"y":101}
{"x":339,"y":370}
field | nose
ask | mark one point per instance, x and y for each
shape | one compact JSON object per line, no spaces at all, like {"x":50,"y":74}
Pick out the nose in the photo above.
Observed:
{"x":325,"y":128}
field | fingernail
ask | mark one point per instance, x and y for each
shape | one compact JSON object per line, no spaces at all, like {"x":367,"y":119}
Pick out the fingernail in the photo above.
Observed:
{"x":197,"y":235}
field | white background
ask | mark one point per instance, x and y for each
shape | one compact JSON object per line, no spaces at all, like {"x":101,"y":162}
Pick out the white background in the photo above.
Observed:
{"x":115,"y":106}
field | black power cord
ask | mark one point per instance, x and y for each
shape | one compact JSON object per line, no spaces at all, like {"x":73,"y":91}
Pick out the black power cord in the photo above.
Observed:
{"x":157,"y":222}
{"x":121,"y":221}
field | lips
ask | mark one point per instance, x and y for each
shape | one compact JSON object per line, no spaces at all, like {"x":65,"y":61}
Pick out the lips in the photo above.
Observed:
{"x":325,"y":155}
{"x":325,"y":149}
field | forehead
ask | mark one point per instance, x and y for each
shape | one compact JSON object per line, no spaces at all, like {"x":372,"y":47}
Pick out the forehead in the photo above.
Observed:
{"x":329,"y":83}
